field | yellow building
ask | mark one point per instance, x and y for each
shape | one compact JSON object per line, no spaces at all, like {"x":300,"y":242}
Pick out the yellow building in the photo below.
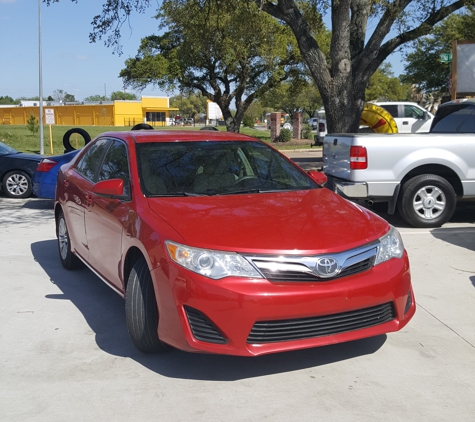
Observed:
{"x":152,"y":110}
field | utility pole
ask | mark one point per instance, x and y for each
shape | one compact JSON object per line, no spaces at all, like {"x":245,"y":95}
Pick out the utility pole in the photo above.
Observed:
{"x":40,"y":78}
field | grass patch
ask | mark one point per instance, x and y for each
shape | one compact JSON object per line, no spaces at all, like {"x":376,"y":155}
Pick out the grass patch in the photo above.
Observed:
{"x":20,"y":138}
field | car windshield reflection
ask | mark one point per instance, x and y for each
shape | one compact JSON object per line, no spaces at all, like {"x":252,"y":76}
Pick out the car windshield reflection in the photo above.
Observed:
{"x":216,"y":168}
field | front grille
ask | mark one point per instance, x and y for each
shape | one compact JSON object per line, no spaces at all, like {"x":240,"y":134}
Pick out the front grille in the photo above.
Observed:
{"x":297,"y":276}
{"x":202,"y":328}
{"x":326,"y":325}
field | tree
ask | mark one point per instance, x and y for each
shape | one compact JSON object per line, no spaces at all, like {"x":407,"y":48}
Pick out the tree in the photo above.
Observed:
{"x":96,"y":98}
{"x":216,"y":55}
{"x":62,"y":96}
{"x":7,"y":100}
{"x":298,"y":96}
{"x":384,"y":86}
{"x":122,"y":95}
{"x":190,"y":105}
{"x":342,"y":75}
{"x":424,"y":68}
{"x":32,"y":124}
{"x":69,"y":98}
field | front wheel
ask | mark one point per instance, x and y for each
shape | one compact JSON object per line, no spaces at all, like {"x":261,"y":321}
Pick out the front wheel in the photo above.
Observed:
{"x":17,"y":184}
{"x":427,"y":200}
{"x":141,"y":311}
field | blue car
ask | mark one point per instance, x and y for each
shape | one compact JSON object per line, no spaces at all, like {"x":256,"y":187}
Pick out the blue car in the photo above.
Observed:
{"x":44,"y":180}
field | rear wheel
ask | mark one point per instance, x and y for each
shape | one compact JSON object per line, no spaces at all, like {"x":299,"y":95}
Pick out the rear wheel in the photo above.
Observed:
{"x":141,"y":311}
{"x":17,"y":184}
{"x":427,"y":200}
{"x":68,"y":259}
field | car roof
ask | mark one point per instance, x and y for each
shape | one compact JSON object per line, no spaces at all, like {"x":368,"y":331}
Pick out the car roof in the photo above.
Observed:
{"x":470,"y":101}
{"x":143,"y":136}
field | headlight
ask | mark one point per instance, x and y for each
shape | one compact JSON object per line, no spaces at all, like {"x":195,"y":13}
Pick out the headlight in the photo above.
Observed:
{"x":391,"y":246}
{"x":212,"y":264}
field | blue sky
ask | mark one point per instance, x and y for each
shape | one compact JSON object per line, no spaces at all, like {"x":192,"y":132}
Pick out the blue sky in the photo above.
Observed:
{"x":70,"y":61}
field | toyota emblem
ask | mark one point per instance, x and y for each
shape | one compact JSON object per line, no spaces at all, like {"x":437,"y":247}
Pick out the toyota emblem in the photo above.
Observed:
{"x":327,"y":267}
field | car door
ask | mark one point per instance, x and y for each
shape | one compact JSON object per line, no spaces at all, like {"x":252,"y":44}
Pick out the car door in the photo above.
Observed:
{"x":78,"y":182}
{"x":106,"y":217}
{"x":415,"y":119}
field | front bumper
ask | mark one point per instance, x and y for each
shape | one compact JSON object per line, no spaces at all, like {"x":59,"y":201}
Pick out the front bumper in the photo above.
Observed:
{"x":227,"y":316}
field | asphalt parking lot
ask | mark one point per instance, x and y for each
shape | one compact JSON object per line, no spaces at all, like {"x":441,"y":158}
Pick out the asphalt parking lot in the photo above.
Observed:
{"x":65,"y":353}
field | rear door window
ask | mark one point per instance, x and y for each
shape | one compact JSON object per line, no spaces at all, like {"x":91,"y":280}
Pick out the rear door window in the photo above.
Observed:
{"x":456,"y":118}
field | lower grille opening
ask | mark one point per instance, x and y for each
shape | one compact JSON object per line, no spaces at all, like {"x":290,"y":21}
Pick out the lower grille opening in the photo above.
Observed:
{"x":326,"y":325}
{"x":408,"y":303}
{"x":202,"y":328}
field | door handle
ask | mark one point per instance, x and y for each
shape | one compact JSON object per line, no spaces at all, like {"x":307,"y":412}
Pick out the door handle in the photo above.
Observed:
{"x":88,"y":200}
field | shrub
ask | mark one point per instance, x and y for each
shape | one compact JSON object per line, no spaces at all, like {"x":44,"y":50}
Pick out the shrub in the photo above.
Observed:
{"x":307,"y":132}
{"x":248,"y":121}
{"x":285,"y":136}
{"x":32,"y":125}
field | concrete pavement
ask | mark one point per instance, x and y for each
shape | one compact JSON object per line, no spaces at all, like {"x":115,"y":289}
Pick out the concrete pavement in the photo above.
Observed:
{"x":65,"y":353}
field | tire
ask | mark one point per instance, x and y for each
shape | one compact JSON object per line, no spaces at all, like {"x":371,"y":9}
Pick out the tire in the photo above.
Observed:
{"x":427,"y":200}
{"x":68,"y":259}
{"x":67,"y":141}
{"x":17,"y":184}
{"x":142,"y":126}
{"x":141,"y":311}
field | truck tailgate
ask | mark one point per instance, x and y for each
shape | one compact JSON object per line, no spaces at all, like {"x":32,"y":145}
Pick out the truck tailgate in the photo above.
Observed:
{"x":336,"y":155}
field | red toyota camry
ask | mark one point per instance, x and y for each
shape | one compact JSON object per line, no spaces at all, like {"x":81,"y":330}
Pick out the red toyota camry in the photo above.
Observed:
{"x":220,"y":244}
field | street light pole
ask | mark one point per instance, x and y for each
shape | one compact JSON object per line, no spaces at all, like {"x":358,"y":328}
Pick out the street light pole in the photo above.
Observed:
{"x":40,"y":53}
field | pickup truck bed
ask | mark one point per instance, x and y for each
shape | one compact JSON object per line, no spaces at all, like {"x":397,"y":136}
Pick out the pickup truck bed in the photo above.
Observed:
{"x":420,"y":175}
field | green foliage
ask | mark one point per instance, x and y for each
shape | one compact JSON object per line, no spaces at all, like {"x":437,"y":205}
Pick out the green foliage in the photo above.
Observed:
{"x":424,"y":68}
{"x":7,"y":100}
{"x":307,"y":132}
{"x":69,"y":98}
{"x":189,"y":104}
{"x":248,"y":120}
{"x":216,"y":54}
{"x":384,"y":86}
{"x":299,"y":95}
{"x":122,"y":95}
{"x":32,"y":125}
{"x":284,"y":136}
{"x":252,"y":114}
{"x":93,"y":98}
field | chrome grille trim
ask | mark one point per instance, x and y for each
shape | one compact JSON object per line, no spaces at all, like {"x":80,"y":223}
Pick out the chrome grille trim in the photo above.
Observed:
{"x":291,"y":268}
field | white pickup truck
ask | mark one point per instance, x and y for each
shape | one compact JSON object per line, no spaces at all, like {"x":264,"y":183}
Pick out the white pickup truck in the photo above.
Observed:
{"x":420,"y":175}
{"x":409,"y":118}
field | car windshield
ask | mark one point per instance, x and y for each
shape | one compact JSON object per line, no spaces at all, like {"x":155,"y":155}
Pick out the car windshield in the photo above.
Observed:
{"x":5,"y":149}
{"x":216,"y":168}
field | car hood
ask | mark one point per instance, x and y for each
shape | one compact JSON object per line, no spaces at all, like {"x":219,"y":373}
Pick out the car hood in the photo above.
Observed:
{"x":305,"y":222}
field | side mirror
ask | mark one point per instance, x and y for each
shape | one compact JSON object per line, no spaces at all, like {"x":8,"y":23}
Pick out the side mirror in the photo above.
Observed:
{"x":318,"y":176}
{"x":111,"y":187}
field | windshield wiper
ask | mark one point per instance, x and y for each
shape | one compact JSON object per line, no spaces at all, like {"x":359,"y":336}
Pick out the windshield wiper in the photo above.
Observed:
{"x":178,"y":194}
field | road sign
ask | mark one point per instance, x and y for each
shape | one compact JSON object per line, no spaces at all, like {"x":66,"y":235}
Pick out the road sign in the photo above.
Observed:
{"x":446,"y":57}
{"x":49,"y":114}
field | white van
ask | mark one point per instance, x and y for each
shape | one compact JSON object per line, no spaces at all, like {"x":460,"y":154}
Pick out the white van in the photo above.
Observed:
{"x":409,"y":117}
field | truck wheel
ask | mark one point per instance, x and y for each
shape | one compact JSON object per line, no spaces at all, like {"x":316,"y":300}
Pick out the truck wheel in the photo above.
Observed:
{"x":427,"y":200}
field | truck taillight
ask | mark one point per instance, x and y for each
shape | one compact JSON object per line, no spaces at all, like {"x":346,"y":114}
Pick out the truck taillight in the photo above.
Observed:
{"x":46,"y":165}
{"x":321,"y":127}
{"x":358,"y":158}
